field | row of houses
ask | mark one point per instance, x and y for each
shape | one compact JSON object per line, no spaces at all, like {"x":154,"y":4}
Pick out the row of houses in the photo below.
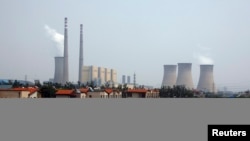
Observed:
{"x":33,"y":92}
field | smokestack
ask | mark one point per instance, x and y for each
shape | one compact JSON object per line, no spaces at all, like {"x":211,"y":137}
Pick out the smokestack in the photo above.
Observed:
{"x":65,"y":62}
{"x":58,"y":76}
{"x":184,"y":76}
{"x":206,"y":80}
{"x":169,"y":75}
{"x":134,"y":80}
{"x":80,"y":55}
{"x":128,"y":79}
{"x":123,"y":79}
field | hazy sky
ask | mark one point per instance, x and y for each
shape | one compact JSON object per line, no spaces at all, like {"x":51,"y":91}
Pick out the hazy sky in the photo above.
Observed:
{"x":128,"y":35}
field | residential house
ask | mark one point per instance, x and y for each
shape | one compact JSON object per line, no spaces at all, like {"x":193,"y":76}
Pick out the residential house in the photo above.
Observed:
{"x":141,"y":93}
{"x":29,"y":92}
{"x":66,"y":94}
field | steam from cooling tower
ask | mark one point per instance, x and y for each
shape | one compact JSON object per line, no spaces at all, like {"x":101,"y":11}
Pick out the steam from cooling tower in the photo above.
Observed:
{"x":57,"y":38}
{"x":203,"y":59}
{"x":203,"y":55}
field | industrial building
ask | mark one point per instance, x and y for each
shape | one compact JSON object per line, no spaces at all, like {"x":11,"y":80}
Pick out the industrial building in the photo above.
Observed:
{"x":128,"y":79}
{"x":58,"y":76}
{"x":61,"y":62}
{"x":206,"y":80}
{"x":123,"y":79}
{"x":184,"y":76}
{"x":169,"y":75}
{"x":66,"y":59}
{"x":86,"y":74}
{"x":80,"y":55}
{"x":99,"y":75}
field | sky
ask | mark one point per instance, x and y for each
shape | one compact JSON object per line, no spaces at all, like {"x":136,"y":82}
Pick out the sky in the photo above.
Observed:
{"x":132,"y":36}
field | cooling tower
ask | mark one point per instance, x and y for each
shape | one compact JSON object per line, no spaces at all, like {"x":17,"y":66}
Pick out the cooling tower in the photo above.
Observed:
{"x":58,"y":76}
{"x":65,"y":62}
{"x":80,"y":55}
{"x":206,"y":80}
{"x":169,"y":75}
{"x":184,"y":76}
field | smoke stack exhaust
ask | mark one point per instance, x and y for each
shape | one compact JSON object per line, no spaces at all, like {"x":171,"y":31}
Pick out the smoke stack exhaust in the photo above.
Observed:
{"x":65,"y":62}
{"x":80,"y":55}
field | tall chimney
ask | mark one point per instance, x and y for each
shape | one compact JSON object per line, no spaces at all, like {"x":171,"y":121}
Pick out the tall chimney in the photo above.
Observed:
{"x":65,"y":62}
{"x":80,"y":55}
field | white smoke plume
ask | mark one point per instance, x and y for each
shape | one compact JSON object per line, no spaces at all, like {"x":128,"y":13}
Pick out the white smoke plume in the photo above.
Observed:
{"x":57,"y":38}
{"x":203,"y":55}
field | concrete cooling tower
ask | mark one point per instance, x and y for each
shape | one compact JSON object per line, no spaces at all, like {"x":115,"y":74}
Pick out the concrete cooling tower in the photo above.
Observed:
{"x":58,"y":76}
{"x":169,"y":75}
{"x":206,"y":80}
{"x":184,"y":76}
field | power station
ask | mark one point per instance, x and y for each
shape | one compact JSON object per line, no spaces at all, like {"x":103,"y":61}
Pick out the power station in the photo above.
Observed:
{"x":206,"y":80}
{"x":80,"y":56}
{"x":58,"y":76}
{"x":66,"y":59}
{"x":184,"y":76}
{"x":103,"y":75}
{"x":86,"y":73}
{"x":99,"y":75}
{"x":169,"y":75}
{"x":61,"y":63}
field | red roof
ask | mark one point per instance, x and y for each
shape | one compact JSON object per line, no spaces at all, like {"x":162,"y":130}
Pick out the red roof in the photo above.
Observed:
{"x":84,"y":90}
{"x":137,"y":91}
{"x":154,"y":90}
{"x":108,"y":91}
{"x":30,"y":89}
{"x":65,"y":92}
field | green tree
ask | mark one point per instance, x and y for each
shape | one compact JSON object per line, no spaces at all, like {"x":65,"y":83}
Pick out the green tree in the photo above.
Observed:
{"x":175,"y":91}
{"x":38,"y":84}
{"x":107,"y":84}
{"x":119,"y":87}
{"x":16,"y":84}
{"x":69,"y":85}
{"x":124,"y":91}
{"x":48,"y":91}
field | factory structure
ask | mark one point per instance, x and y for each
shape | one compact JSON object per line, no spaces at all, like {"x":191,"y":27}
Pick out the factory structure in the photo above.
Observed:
{"x":169,"y":76}
{"x":99,"y":75}
{"x":61,"y":74}
{"x":184,"y":77}
{"x":86,"y":74}
{"x":126,"y":80}
{"x":206,"y":80}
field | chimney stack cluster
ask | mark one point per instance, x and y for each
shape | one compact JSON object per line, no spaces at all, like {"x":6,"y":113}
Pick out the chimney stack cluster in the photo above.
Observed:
{"x":62,"y":63}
